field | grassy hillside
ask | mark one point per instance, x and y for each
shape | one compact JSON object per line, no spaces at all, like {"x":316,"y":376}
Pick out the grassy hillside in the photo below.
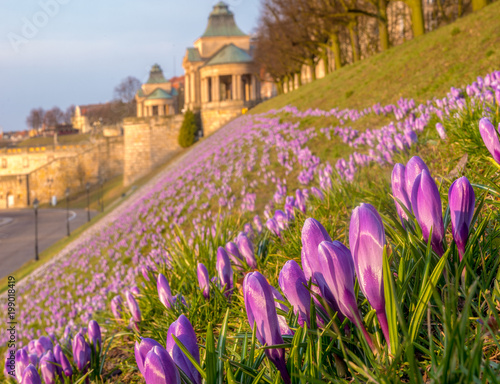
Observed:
{"x":438,"y":321}
{"x":421,"y":68}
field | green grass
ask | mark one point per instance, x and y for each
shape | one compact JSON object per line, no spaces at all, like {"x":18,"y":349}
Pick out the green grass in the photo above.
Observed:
{"x":420,"y":68}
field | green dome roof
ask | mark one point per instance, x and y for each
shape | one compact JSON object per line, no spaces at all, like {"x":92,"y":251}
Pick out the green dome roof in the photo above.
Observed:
{"x":230,"y":54}
{"x":156,"y":75}
{"x":159,"y":94}
{"x":221,"y":22}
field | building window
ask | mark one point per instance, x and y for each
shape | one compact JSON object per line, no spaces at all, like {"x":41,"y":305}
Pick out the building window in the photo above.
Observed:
{"x":226,"y":87}
{"x":209,"y":89}
{"x":155,"y":110}
{"x":4,"y":163}
{"x":166,"y":110}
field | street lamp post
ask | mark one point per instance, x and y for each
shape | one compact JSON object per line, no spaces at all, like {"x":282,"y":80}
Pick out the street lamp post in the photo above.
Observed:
{"x":35,"y":206}
{"x":87,"y":186}
{"x":101,"y":182}
{"x":67,"y":211}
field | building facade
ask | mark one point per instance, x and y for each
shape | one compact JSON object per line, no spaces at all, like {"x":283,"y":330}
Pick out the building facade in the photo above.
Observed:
{"x":157,"y":97}
{"x":221,"y":78}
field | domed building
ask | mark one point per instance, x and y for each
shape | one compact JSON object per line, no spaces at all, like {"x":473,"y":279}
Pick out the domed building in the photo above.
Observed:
{"x":156,"y":97}
{"x":220,"y":74}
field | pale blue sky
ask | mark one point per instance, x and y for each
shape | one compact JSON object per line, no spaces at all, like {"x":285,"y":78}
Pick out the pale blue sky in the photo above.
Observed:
{"x":77,"y":51}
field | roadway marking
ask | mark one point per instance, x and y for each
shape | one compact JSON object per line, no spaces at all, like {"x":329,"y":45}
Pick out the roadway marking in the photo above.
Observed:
{"x":73,"y":215}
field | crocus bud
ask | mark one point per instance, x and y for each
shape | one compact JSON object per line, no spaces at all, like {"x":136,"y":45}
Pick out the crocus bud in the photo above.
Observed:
{"x":367,"y":239}
{"x":440,"y":130}
{"x":31,"y":376}
{"x":203,"y":280}
{"x":95,"y":334}
{"x":234,"y":254}
{"x":282,"y":219}
{"x":142,"y":349}
{"x":283,"y":324}
{"x":336,"y":261}
{"x":261,"y":312}
{"x":313,"y":233}
{"x":461,"y":199}
{"x":413,"y":168}
{"x":300,"y":200}
{"x":48,"y":368}
{"x":22,"y":362}
{"x":164,"y":291}
{"x":81,"y":352}
{"x":246,"y":250}
{"x":272,"y":225}
{"x":135,"y":290}
{"x":399,"y":191}
{"x":65,"y":365}
{"x":426,"y":204}
{"x":293,"y":283}
{"x":116,"y":307}
{"x":223,"y":266}
{"x":183,"y":330}
{"x":145,"y":272}
{"x":258,"y":223}
{"x":42,"y":345}
{"x":133,"y":306}
{"x":160,"y":368}
{"x":317,"y":193}
{"x":248,"y":230}
{"x":490,"y":138}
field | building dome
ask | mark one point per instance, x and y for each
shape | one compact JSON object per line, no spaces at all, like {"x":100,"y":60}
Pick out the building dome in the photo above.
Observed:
{"x":221,"y":22}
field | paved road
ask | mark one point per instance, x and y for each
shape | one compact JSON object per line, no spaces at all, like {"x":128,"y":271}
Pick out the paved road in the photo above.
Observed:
{"x":17,"y":233}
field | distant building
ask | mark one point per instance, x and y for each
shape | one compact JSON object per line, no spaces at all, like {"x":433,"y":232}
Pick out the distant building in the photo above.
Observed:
{"x":158,"y":96}
{"x":221,"y":78}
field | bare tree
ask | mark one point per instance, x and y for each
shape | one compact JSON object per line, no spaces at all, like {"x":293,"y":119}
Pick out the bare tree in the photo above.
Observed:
{"x":53,"y":117}
{"x":35,"y":118}
{"x":126,"y":90}
{"x":70,"y":111}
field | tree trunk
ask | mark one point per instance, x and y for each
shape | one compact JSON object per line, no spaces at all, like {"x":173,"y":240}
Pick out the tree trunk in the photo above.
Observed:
{"x":279,"y":85}
{"x":326,"y":62}
{"x":354,"y":40}
{"x":313,"y":70}
{"x":383,"y":31}
{"x":299,"y":78}
{"x":417,"y":17}
{"x":334,"y":38}
{"x":286,"y":82}
{"x":460,"y":8}
{"x":479,"y":4}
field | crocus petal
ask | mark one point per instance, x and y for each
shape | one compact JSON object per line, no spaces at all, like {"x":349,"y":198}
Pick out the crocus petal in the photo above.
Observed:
{"x":461,"y":199}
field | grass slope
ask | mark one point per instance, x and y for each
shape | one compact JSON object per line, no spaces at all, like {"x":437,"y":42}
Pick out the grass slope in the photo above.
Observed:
{"x":421,"y":68}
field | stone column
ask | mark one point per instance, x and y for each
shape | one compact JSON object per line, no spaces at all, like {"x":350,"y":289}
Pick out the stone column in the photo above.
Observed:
{"x":216,"y":88}
{"x":187,"y":87}
{"x":192,"y":84}
{"x":238,"y":88}
{"x":233,"y":87}
{"x":139,"y":110}
{"x":161,"y":110}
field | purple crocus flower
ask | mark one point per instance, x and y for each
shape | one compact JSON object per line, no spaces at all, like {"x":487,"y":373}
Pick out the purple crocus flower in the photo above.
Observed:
{"x":261,"y":312}
{"x":317,"y":193}
{"x":413,"y":168}
{"x":65,"y":365}
{"x":300,"y":200}
{"x":142,"y":349}
{"x":48,"y":368}
{"x":336,"y":261}
{"x":246,"y":250}
{"x":283,"y":324}
{"x":42,"y":345}
{"x":164,"y":292}
{"x":183,"y":330}
{"x":116,"y":307}
{"x":234,"y":254}
{"x":160,"y":368}
{"x":95,"y":334}
{"x":258,"y":223}
{"x":313,"y":233}
{"x":135,"y":290}
{"x":223,"y":266}
{"x":490,"y":138}
{"x":426,"y":204}
{"x":81,"y":352}
{"x":145,"y":272}
{"x":441,"y":131}
{"x":203,"y":280}
{"x":272,"y":225}
{"x":22,"y":361}
{"x":133,"y":306}
{"x":461,"y":199}
{"x":399,"y":191}
{"x":293,"y":283}
{"x":367,"y":239}
{"x":31,"y":376}
{"x":281,"y":218}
